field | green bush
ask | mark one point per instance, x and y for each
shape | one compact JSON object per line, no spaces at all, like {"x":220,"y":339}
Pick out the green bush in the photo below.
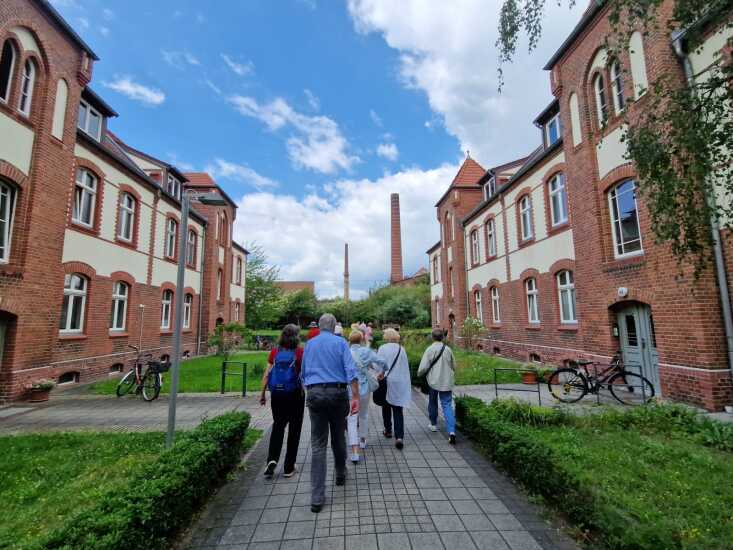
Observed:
{"x":162,"y":497}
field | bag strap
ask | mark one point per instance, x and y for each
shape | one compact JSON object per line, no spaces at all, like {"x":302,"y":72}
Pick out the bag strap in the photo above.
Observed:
{"x":434,"y":361}
{"x":399,"y":351}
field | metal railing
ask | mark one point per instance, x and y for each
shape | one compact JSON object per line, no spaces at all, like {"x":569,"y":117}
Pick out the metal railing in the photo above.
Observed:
{"x":225,"y":372}
{"x":537,"y":383}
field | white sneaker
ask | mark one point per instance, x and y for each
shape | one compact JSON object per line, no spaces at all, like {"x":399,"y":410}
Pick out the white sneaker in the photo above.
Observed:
{"x":432,"y":427}
{"x":355,"y":458}
{"x":362,"y":444}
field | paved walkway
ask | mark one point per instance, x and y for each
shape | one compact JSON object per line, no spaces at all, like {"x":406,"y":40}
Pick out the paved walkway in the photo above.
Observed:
{"x":429,"y":496}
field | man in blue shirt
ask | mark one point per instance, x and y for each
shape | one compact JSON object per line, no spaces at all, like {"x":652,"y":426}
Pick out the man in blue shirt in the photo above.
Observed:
{"x":326,"y":370}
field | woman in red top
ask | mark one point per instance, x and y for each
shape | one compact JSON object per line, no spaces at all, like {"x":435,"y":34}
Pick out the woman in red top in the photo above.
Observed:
{"x":287,"y":399}
{"x":313,"y":331}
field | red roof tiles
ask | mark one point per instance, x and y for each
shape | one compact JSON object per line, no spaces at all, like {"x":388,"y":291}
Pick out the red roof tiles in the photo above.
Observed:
{"x":469,"y":173}
{"x":199,"y":179}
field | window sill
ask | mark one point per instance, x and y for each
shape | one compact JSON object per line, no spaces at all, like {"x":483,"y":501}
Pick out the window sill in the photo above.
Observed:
{"x":559,"y":228}
{"x":171,"y":260}
{"x":495,"y":325}
{"x":72,"y":336}
{"x":533,"y":326}
{"x":118,"y":334}
{"x":16,"y":115}
{"x":525,"y":242}
{"x":84,"y":229}
{"x":166,"y":332}
{"x":127,"y":244}
{"x":568,"y":327}
{"x":492,"y":257}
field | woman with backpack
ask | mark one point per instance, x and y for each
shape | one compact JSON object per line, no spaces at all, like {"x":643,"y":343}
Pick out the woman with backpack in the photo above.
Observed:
{"x":364,"y":358}
{"x":287,"y":399}
{"x":399,"y":389}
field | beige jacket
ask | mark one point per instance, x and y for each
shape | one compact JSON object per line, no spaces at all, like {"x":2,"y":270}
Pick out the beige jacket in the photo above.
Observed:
{"x":441,"y":376}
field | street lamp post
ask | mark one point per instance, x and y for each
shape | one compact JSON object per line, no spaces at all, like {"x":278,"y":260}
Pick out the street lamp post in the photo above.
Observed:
{"x":212,"y":199}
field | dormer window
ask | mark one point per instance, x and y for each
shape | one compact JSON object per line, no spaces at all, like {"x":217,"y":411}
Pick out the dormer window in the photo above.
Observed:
{"x":174,"y":187}
{"x":90,"y":121}
{"x":553,"y":130}
{"x":490,"y":188}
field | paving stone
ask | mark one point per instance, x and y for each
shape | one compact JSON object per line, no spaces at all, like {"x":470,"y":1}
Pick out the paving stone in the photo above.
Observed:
{"x":505,"y":522}
{"x":275,"y":515}
{"x":489,"y":540}
{"x":300,"y":544}
{"x":426,"y":541}
{"x":458,"y":541}
{"x":520,"y":540}
{"x":259,"y":546}
{"x":299,"y":530}
{"x":448,"y":522}
{"x":237,"y":534}
{"x":477,"y":522}
{"x":439,"y":507}
{"x":329,"y":543}
{"x":393,"y":541}
{"x":268,"y":531}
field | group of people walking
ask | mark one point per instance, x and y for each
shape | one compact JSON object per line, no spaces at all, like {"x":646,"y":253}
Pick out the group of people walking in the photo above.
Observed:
{"x":336,"y":380}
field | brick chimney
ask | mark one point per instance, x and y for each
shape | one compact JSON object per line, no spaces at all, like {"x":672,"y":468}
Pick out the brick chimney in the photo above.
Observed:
{"x":396,"y":233}
{"x":346,"y":272}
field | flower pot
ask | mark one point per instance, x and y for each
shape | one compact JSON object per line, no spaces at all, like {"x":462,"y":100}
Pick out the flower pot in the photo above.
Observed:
{"x":529,"y":378}
{"x":39,"y":395}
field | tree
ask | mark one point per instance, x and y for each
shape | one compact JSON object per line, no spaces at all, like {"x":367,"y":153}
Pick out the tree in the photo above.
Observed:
{"x":264,"y":300}
{"x":300,"y":307}
{"x":682,"y":143}
{"x":227,"y":338}
{"x":470,"y":331}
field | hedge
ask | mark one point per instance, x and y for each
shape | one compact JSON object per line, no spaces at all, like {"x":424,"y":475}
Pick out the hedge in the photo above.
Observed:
{"x":161,"y":498}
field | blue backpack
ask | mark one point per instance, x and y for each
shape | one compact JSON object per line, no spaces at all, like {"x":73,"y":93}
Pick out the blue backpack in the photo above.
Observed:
{"x":283,"y":378}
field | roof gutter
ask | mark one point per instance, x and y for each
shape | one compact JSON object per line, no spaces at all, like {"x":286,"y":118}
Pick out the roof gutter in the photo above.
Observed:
{"x":678,"y":46}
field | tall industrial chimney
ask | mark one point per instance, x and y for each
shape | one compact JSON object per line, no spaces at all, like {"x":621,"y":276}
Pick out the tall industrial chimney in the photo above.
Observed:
{"x":346,"y":272}
{"x":396,"y":233}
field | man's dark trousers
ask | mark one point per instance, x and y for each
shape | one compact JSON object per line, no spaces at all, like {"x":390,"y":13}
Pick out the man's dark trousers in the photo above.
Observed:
{"x":328,"y":408}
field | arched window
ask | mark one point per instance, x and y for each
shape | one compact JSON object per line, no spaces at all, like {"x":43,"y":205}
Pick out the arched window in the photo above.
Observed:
{"x":490,"y":238}
{"x":219,"y":285}
{"x":452,"y":282}
{"x":479,"y":308}
{"x":120,"y":294}
{"x":27,"y":80}
{"x":474,"y":247}
{"x":566,"y":294}
{"x":7,"y":62}
{"x":617,"y":87}
{"x":126,"y":222}
{"x":437,"y":311}
{"x":525,"y":217}
{"x":533,"y":307}
{"x":171,"y":234}
{"x":599,"y":86}
{"x":558,"y":200}
{"x":74,"y":304}
{"x":436,"y":270}
{"x":166,"y":309}
{"x":495,"y":311}
{"x":191,"y":243}
{"x":236,"y":312}
{"x":223,"y":229}
{"x":7,"y":209}
{"x":85,"y":198}
{"x":625,"y":219}
{"x":187,"y":305}
{"x":239,"y":270}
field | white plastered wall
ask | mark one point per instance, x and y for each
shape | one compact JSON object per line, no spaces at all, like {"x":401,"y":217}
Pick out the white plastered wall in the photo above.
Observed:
{"x":26,"y":39}
{"x":611,"y":152}
{"x":16,"y":143}
{"x":59,"y":109}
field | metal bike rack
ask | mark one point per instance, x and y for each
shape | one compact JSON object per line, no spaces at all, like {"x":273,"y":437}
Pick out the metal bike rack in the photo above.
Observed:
{"x":225,"y":372}
{"x":537,"y":390}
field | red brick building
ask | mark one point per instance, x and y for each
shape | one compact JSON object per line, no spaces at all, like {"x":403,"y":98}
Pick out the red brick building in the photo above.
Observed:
{"x":555,"y":252}
{"x":89,"y":225}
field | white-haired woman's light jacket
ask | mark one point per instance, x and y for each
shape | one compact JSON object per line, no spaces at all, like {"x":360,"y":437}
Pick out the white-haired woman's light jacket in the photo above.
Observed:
{"x":399,"y":388}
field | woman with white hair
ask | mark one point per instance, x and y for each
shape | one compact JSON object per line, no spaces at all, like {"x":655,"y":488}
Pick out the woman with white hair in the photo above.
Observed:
{"x":399,"y":387}
{"x":368,"y":365}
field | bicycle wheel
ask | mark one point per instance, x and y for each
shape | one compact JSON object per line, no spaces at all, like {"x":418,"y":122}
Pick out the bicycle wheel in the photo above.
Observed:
{"x":567,"y":385}
{"x":151,"y":386}
{"x":631,"y":389}
{"x":126,"y":384}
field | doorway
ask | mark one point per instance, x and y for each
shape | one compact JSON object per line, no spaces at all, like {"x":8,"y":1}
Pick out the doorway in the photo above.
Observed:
{"x":638,"y":341}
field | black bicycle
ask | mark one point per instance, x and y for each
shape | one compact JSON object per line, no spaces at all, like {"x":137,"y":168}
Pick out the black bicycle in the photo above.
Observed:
{"x":147,"y":380}
{"x":570,"y":384}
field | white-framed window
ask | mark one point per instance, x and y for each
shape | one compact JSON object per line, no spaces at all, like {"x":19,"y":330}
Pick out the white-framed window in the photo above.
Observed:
{"x":599,"y":86}
{"x":525,"y":217}
{"x":219,"y":285}
{"x":617,"y":87}
{"x":236,"y":312}
{"x":171,"y":234}
{"x":7,"y":209}
{"x":7,"y":63}
{"x":533,"y":307}
{"x":90,"y":121}
{"x":558,"y":200}
{"x":475,"y":252}
{"x":74,"y":304}
{"x":127,"y":217}
{"x":495,"y":311}
{"x":436,"y":270}
{"x":238,"y":273}
{"x":165,"y":309}
{"x":223,"y":226}
{"x":479,"y":308}
{"x":566,"y":295}
{"x":452,"y":229}
{"x":491,"y":238}
{"x":85,"y":198}
{"x":191,"y":243}
{"x":490,"y":188}
{"x":120,"y":294}
{"x":437,"y":311}
{"x":625,"y":219}
{"x":452,"y":283}
{"x":187,"y":308}
{"x":174,"y":187}
{"x":27,"y":80}
{"x":553,"y":129}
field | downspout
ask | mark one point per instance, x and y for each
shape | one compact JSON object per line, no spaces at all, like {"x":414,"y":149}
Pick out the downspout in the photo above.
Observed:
{"x":720,"y":271}
{"x":201,"y":290}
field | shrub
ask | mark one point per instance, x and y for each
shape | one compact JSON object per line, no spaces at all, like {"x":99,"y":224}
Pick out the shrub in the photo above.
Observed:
{"x":161,"y":498}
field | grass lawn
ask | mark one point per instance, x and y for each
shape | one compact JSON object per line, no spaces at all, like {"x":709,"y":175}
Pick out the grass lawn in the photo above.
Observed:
{"x":203,"y":374}
{"x":478,"y":368}
{"x":48,"y":477}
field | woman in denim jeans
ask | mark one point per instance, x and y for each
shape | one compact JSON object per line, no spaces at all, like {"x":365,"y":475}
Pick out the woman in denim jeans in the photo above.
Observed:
{"x":441,"y":381}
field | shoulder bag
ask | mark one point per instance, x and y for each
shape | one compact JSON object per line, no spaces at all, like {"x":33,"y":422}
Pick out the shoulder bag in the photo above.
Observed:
{"x":424,"y":386}
{"x":380,"y":394}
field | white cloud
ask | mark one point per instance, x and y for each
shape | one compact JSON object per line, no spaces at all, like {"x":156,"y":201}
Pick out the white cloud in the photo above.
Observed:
{"x":83,"y":22}
{"x":388,"y":151}
{"x":376,"y":119}
{"x":306,"y":237}
{"x":447,"y":51}
{"x":241,"y":173}
{"x":242,"y":69}
{"x":310,"y":4}
{"x":315,"y":142}
{"x":104,"y":31}
{"x":179,"y":59}
{"x":313,"y":100}
{"x":137,"y":92}
{"x":108,"y":14}
{"x":200,"y":19}
{"x":213,"y":86}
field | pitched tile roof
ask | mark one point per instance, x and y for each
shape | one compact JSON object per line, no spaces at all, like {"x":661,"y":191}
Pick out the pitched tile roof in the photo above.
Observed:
{"x":469,"y":173}
{"x":199,"y":179}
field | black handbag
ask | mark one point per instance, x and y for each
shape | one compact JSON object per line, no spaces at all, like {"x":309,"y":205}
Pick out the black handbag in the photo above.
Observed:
{"x":379,"y":396}
{"x":424,"y":386}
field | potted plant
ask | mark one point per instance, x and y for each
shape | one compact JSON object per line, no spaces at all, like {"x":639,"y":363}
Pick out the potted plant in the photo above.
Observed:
{"x":529,"y":374}
{"x":40,"y":390}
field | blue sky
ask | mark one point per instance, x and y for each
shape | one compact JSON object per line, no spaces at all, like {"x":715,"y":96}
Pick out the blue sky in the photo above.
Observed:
{"x":310,"y":112}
